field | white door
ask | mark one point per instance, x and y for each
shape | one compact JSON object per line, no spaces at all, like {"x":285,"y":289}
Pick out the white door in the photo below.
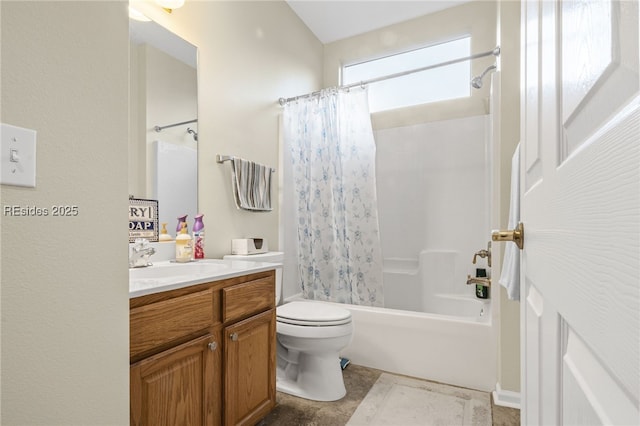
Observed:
{"x":580,"y":195}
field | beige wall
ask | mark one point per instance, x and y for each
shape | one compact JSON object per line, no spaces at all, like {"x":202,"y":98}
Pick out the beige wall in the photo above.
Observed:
{"x":509,"y":348}
{"x":477,"y":19}
{"x":64,"y":279}
{"x":250,"y":54}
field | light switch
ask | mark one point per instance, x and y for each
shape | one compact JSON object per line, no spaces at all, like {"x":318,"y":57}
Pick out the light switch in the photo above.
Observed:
{"x":17,"y":156}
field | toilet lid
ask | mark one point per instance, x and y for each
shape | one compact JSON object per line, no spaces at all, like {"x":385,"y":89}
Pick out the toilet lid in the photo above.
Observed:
{"x":312,"y":314}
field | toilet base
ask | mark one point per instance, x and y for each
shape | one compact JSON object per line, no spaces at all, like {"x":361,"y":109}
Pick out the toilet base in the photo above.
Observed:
{"x":318,"y":378}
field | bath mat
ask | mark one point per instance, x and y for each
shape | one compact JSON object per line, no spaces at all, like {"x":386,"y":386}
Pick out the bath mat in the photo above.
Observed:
{"x":398,"y":400}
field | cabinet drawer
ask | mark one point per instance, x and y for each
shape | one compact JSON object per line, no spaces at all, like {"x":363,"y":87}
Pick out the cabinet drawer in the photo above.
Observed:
{"x":159,"y":323}
{"x":245,"y":299}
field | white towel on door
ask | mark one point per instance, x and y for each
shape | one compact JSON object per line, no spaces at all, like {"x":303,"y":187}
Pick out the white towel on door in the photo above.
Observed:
{"x":251,"y":185}
{"x":510,"y":275}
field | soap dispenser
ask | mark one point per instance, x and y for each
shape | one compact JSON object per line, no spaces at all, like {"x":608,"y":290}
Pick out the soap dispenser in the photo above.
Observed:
{"x":184,"y":245}
{"x":164,"y":235}
{"x":181,"y":219}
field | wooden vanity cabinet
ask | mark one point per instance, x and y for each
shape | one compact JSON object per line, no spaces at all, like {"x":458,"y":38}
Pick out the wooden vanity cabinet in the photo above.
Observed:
{"x":249,"y":315}
{"x":204,"y":355}
{"x":174,"y":387}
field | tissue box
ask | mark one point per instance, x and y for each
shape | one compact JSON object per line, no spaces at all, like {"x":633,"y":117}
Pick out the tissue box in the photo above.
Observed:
{"x":249,"y":246}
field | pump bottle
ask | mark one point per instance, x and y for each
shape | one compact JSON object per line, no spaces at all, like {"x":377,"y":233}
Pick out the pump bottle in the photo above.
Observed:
{"x":184,"y":245}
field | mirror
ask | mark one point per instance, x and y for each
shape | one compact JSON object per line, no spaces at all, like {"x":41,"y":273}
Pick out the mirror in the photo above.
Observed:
{"x":163,"y":121}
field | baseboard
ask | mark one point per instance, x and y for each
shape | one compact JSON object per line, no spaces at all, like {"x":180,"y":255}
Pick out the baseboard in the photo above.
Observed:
{"x":506,"y":398}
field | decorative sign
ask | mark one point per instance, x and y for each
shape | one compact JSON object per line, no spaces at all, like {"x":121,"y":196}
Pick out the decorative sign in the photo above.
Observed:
{"x":143,"y":219}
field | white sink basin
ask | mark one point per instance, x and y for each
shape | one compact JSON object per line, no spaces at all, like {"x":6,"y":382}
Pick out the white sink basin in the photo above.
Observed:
{"x":163,"y":276}
{"x":164,"y":270}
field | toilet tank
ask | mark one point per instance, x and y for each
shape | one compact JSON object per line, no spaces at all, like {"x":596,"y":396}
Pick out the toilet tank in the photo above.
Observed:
{"x":271,"y":257}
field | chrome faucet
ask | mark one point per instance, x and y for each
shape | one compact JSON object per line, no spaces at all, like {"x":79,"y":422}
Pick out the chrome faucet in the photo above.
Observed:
{"x":140,"y":253}
{"x":479,"y":280}
{"x":484,"y":253}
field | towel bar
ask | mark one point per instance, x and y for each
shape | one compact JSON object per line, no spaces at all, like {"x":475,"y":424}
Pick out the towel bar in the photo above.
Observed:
{"x":222,"y":158}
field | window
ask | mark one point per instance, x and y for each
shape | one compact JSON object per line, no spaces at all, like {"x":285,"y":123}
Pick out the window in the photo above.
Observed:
{"x":437,"y":84}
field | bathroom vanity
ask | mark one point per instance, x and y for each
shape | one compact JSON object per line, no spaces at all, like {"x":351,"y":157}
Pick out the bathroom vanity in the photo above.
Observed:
{"x":203,"y":351}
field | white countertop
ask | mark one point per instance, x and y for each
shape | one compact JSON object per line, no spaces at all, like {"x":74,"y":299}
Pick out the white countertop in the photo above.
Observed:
{"x":169,"y":275}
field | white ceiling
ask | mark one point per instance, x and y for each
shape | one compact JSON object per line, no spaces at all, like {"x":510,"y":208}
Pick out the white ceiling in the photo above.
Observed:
{"x":332,"y":20}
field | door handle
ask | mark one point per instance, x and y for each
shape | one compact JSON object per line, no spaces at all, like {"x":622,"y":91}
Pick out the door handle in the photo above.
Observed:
{"x":514,"y":235}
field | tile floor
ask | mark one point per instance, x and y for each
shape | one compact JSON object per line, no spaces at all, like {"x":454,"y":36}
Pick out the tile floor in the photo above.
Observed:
{"x":292,"y":411}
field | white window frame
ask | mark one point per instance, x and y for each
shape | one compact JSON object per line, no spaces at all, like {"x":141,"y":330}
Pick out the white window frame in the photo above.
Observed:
{"x":416,"y":88}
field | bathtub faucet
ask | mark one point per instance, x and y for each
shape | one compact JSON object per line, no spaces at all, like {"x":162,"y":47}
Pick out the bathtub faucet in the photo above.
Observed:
{"x":484,"y":253}
{"x":479,"y":280}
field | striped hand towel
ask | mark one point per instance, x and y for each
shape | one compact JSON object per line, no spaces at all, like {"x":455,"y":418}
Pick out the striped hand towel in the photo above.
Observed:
{"x":251,"y":185}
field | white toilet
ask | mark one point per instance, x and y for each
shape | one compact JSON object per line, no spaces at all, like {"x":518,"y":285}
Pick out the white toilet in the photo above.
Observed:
{"x":310,"y":336}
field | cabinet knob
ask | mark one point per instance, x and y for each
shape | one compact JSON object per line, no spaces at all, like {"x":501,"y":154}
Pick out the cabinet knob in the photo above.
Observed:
{"x":233,"y":337}
{"x":212,"y":346}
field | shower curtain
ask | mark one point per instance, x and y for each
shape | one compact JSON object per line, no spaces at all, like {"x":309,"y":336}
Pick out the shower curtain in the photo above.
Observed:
{"x":330,"y":140}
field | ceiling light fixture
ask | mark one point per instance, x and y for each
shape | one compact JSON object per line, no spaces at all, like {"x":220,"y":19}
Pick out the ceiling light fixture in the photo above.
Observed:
{"x":169,"y":5}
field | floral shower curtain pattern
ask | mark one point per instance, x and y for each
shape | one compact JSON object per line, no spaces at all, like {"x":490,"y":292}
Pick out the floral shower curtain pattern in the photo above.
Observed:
{"x":333,"y":161}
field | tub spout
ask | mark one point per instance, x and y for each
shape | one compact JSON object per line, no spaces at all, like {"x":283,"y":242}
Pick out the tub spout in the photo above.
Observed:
{"x":479,"y":280}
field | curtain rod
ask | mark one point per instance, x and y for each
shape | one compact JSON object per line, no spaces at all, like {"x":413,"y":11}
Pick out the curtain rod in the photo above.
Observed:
{"x":159,"y":129}
{"x":494,"y":52}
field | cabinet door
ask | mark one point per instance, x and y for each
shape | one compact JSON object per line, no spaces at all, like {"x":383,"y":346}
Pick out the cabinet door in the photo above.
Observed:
{"x":177,"y":386}
{"x":250,"y":366}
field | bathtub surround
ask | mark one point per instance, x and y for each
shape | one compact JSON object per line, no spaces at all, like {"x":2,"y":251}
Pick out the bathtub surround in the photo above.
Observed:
{"x":332,"y":158}
{"x":433,"y":196}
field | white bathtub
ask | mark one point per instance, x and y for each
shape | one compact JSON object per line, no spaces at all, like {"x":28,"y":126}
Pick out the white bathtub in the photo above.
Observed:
{"x":459,"y":351}
{"x":436,"y":329}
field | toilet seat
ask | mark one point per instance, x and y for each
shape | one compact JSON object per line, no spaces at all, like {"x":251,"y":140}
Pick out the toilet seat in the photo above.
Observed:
{"x":312,"y":314}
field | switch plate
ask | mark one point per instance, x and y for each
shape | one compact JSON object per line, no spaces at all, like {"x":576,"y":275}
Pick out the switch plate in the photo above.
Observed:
{"x":17,"y":156}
